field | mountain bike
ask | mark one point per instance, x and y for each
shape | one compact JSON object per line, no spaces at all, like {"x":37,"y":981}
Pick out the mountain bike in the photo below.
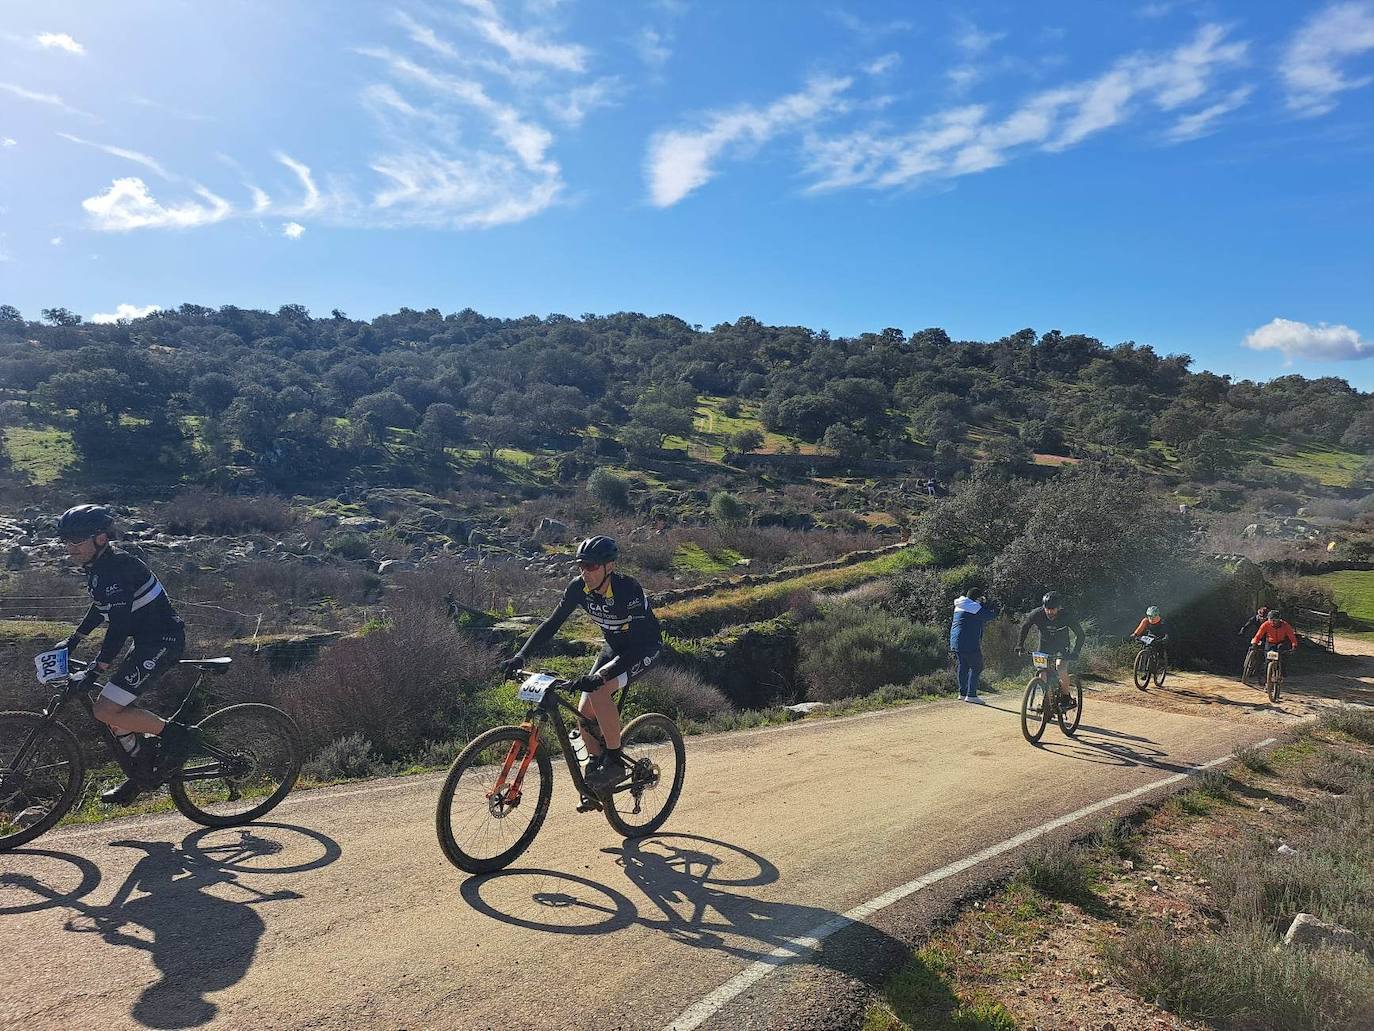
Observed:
{"x":1273,"y":674}
{"x":249,"y":758}
{"x":1044,"y":697}
{"x":497,"y":792}
{"x":1150,"y":662}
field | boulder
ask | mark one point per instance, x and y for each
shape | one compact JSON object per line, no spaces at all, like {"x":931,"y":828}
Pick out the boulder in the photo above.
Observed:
{"x":805,"y":708}
{"x":1306,"y":931}
{"x":394,"y":565}
{"x":362,"y":524}
{"x":553,"y":531}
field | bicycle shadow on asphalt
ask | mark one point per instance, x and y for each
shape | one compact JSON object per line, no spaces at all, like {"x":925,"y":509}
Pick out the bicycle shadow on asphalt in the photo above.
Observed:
{"x":693,"y":885}
{"x":1083,"y":748}
{"x":200,"y":941}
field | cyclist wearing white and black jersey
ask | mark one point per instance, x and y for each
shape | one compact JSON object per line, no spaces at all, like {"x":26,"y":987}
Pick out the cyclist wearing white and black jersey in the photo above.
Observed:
{"x":618,"y":605}
{"x":127,"y":597}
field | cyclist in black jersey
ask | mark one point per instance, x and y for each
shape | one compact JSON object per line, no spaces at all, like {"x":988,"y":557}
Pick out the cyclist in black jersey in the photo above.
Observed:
{"x":619,"y":606}
{"x":1054,"y":622}
{"x":130,"y":599}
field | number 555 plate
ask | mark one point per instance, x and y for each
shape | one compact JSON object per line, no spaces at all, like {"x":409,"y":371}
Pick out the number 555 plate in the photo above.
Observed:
{"x":532,"y":690}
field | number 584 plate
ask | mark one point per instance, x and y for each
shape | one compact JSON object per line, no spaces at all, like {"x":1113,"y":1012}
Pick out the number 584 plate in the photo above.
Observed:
{"x":51,"y":665}
{"x":532,"y":690}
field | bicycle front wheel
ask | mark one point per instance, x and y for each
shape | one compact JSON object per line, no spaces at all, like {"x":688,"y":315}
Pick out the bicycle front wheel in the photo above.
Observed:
{"x":1272,"y":681}
{"x":1035,"y":712}
{"x":1161,"y":669}
{"x":1250,"y":668}
{"x":1141,"y":673}
{"x":480,"y":828}
{"x":39,"y":788}
{"x":657,"y":762}
{"x":1068,"y":721}
{"x":250,"y":762}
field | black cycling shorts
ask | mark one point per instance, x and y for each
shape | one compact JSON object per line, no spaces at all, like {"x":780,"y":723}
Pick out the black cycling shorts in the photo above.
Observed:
{"x":622,"y":669}
{"x":149,"y":659}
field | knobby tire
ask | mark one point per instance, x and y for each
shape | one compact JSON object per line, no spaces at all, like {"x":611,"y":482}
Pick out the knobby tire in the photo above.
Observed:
{"x":219,"y":728}
{"x":652,"y":728}
{"x":15,"y":727}
{"x":1033,"y":723}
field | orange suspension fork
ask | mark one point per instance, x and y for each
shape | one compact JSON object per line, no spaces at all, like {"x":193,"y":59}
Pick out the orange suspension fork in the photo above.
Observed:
{"x":519,"y":778}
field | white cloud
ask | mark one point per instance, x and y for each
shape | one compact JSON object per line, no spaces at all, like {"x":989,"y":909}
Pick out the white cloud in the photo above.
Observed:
{"x":964,"y":140}
{"x":8,"y":141}
{"x":1300,"y":340}
{"x":885,"y":63}
{"x":425,"y":36}
{"x":653,"y":47}
{"x":1200,"y":123}
{"x":293,"y":230}
{"x":963,"y":76}
{"x":574,"y":106}
{"x":1311,"y":65}
{"x":312,"y":199}
{"x":473,"y":192}
{"x":120,"y":152}
{"x":869,"y":31}
{"x":125,"y":313}
{"x":680,"y":161}
{"x":56,"y":241}
{"x":127,"y":204}
{"x":59,"y":41}
{"x":974,"y":41}
{"x":52,"y":99}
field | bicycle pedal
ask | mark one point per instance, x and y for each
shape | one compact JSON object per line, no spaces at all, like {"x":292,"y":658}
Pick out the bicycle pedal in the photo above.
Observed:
{"x":588,"y":805}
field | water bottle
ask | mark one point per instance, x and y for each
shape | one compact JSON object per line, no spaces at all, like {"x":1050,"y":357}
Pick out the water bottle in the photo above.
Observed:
{"x":579,"y":746}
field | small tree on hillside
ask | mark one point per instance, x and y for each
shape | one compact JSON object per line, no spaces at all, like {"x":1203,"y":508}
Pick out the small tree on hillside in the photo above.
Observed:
{"x":611,"y":490}
{"x":845,"y":442}
{"x":726,"y":508}
{"x":746,"y":440}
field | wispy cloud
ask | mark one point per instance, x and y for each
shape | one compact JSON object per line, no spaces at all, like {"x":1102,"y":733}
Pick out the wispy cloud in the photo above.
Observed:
{"x":1201,"y":123}
{"x":8,"y":141}
{"x":424,"y":35}
{"x":59,"y":41}
{"x":652,"y":46}
{"x":883,"y":64}
{"x":573,"y":107}
{"x":312,"y":199}
{"x":56,"y":241}
{"x":293,"y":230}
{"x":121,"y":152}
{"x":1312,"y":64}
{"x":1321,"y":342}
{"x":128,"y":204}
{"x":869,"y":31}
{"x":965,"y":140}
{"x":51,"y":99}
{"x":125,"y":313}
{"x":974,"y":41}
{"x":682,"y":160}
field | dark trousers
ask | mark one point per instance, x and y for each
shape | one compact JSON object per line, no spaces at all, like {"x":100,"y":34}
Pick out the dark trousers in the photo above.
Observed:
{"x":968,"y":668}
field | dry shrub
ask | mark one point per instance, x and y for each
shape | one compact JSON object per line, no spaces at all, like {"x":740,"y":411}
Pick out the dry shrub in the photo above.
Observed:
{"x":200,"y":511}
{"x":266,"y":585}
{"x":416,"y":678}
{"x":680,"y":693}
{"x":490,"y":587}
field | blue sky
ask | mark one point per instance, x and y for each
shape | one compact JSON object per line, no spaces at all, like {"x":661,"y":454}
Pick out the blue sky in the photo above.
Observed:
{"x":1192,"y":175}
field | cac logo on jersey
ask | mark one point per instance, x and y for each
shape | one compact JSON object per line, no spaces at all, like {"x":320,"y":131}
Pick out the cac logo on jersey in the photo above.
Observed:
{"x":112,"y":589}
{"x":149,"y":665}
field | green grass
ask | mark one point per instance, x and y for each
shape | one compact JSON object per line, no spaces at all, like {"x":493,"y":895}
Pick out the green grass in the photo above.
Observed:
{"x":44,"y":454}
{"x":711,"y":422}
{"x":1354,"y":593}
{"x":1328,"y":466}
{"x":695,"y":559}
{"x":921,"y":996}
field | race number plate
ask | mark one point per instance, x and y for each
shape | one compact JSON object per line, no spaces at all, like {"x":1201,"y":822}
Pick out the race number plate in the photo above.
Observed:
{"x":532,"y":690}
{"x":1273,"y":656}
{"x":1147,"y":640}
{"x":1041,"y":660}
{"x":51,"y":665}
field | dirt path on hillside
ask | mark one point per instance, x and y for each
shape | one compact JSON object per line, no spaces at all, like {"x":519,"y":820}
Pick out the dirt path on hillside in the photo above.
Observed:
{"x":1344,"y":679}
{"x":341,"y":912}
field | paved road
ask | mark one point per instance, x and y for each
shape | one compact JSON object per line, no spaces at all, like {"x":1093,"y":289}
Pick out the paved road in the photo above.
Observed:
{"x":342,"y":913}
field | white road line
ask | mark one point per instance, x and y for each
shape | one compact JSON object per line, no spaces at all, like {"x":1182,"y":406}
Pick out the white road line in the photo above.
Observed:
{"x":802,"y":946}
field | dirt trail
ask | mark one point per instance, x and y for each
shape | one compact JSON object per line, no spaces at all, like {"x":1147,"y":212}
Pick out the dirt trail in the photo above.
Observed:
{"x":341,"y":912}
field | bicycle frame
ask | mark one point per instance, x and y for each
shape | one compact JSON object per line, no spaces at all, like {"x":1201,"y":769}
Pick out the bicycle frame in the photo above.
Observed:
{"x":69,"y":689}
{"x":547,"y":711}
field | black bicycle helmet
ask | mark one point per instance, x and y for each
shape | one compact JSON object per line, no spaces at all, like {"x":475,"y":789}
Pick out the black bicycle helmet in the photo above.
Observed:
{"x":1275,"y":615}
{"x":84,"y":521}
{"x":1051,"y":600}
{"x":598,"y":549}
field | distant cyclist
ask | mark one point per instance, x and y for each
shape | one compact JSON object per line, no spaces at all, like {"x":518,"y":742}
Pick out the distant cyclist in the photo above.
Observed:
{"x":1275,"y":633}
{"x":1254,"y":623}
{"x":1055,"y":622}
{"x":1153,"y":625}
{"x":127,"y":597}
{"x":619,"y":606}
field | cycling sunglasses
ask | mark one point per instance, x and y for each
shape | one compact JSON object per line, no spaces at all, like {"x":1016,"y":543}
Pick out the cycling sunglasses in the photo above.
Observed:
{"x":589,"y":565}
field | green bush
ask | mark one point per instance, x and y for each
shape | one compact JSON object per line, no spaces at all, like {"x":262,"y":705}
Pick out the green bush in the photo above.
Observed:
{"x":852,"y":651}
{"x":726,"y":508}
{"x":1059,"y":870}
{"x":342,"y":758}
{"x":611,"y":490}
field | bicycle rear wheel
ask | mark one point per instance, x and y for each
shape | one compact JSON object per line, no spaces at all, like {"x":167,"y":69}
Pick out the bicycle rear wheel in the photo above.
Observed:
{"x":479,"y":828}
{"x":251,"y":763}
{"x":653,"y":749}
{"x":39,"y":792}
{"x":1067,"y":725}
{"x":1141,"y":672}
{"x":1035,"y":712}
{"x":1273,"y":681}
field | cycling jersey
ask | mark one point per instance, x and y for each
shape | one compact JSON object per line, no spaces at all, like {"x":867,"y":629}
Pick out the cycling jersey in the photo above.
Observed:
{"x":125,"y":593}
{"x":1054,"y":631}
{"x":1160,"y":629}
{"x":1273,"y":635}
{"x":623,"y":613}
